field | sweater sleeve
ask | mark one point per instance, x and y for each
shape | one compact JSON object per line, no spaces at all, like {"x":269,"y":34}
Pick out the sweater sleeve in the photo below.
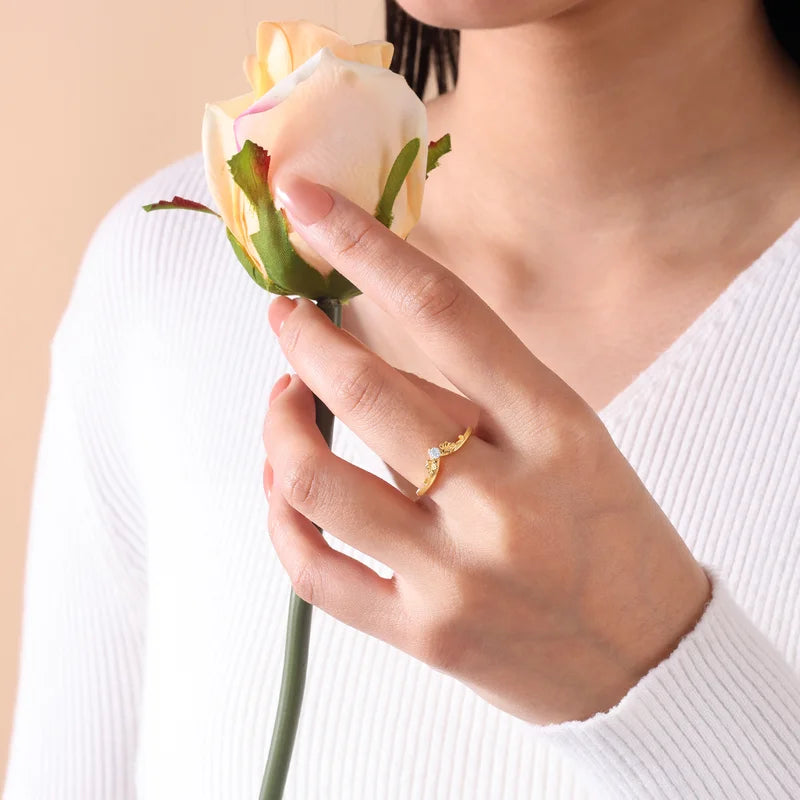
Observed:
{"x":718,"y":718}
{"x":76,"y":719}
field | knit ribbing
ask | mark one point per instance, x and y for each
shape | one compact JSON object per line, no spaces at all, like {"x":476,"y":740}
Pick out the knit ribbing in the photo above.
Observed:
{"x":155,"y":605}
{"x":718,"y":718}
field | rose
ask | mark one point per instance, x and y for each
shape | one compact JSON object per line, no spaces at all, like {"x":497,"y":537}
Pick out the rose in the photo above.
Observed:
{"x":324,"y":109}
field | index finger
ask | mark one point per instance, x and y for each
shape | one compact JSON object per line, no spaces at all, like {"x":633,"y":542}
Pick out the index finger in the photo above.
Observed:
{"x":470,"y":344}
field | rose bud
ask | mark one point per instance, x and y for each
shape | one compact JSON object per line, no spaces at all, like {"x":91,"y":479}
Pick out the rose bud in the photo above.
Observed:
{"x":331,"y":112}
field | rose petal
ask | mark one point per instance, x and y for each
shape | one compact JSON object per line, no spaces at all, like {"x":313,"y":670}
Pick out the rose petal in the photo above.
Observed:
{"x":344,"y":125}
{"x":219,"y":145}
{"x":377,"y":53}
{"x":306,"y":38}
{"x":281,"y":47}
{"x":277,"y":94}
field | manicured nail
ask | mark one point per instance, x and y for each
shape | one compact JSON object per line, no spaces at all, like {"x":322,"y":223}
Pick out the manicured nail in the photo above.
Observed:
{"x":279,"y":309}
{"x":279,"y":386}
{"x":306,"y":201}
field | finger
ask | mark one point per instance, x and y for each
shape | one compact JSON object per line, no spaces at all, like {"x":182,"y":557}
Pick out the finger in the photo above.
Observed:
{"x":450,"y":322}
{"x":455,"y":405}
{"x":351,"y":503}
{"x":460,"y":408}
{"x":397,"y":420}
{"x":340,"y":585}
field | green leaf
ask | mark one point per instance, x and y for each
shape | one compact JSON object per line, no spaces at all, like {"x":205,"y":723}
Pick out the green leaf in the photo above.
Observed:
{"x":287,"y":272}
{"x":397,"y":174}
{"x":436,"y":150}
{"x":180,"y":202}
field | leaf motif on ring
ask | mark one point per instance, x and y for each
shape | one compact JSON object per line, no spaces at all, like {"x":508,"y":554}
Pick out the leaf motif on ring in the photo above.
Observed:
{"x":435,"y":453}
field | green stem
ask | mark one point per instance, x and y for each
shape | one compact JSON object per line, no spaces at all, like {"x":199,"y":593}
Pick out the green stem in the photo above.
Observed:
{"x":298,"y":630}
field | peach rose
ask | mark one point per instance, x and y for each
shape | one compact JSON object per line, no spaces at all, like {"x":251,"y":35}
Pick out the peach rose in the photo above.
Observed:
{"x":322,"y":108}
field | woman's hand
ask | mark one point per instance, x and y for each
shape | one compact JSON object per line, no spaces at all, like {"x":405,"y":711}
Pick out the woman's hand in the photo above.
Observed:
{"x":538,"y":570}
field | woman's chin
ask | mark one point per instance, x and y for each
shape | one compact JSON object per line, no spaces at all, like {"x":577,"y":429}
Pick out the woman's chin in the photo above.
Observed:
{"x":463,"y":14}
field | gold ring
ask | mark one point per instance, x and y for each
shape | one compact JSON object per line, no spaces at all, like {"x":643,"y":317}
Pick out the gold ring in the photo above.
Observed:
{"x":434,"y":454}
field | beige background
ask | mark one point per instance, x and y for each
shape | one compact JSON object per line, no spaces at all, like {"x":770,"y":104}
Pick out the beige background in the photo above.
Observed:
{"x":96,"y":96}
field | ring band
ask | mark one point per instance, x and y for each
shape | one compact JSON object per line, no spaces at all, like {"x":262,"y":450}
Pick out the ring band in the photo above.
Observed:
{"x":434,"y":454}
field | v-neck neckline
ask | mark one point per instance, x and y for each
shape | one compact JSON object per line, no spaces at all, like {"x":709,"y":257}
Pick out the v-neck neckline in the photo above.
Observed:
{"x":694,"y":336}
{"x":699,"y":330}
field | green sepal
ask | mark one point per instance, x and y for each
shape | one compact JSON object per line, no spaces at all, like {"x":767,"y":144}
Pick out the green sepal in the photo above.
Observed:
{"x":397,"y":174}
{"x":287,"y":272}
{"x":436,"y":150}
{"x":251,"y":267}
{"x":246,"y":261}
{"x":180,"y":202}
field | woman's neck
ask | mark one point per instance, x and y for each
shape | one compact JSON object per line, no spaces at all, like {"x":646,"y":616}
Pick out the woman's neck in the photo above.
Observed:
{"x":615,"y":137}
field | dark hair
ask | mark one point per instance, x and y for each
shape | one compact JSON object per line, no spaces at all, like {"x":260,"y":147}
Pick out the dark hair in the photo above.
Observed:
{"x":417,"y":46}
{"x":784,"y":19}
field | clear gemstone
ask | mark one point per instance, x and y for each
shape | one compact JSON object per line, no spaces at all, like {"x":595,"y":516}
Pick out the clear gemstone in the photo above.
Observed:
{"x":434,"y":452}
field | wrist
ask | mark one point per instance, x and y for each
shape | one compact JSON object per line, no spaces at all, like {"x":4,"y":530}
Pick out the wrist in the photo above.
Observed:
{"x":673,"y":601}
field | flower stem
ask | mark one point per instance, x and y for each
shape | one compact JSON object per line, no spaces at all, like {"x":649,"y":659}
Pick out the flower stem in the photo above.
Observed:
{"x":298,"y":630}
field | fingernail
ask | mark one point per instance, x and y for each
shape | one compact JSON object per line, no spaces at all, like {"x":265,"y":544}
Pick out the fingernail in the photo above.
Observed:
{"x":279,"y":309}
{"x":279,"y":386}
{"x":306,"y":201}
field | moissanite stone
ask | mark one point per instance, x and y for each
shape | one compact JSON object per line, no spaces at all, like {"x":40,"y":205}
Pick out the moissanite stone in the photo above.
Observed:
{"x":434,"y":452}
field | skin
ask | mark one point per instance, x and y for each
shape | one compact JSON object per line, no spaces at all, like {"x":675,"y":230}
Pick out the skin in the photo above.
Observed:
{"x":623,"y":175}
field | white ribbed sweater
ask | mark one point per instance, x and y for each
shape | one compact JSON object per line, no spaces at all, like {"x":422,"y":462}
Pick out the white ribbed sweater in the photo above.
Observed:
{"x":155,"y":606}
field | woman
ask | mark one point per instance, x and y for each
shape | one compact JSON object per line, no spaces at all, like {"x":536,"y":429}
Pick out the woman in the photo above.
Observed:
{"x":598,"y":596}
